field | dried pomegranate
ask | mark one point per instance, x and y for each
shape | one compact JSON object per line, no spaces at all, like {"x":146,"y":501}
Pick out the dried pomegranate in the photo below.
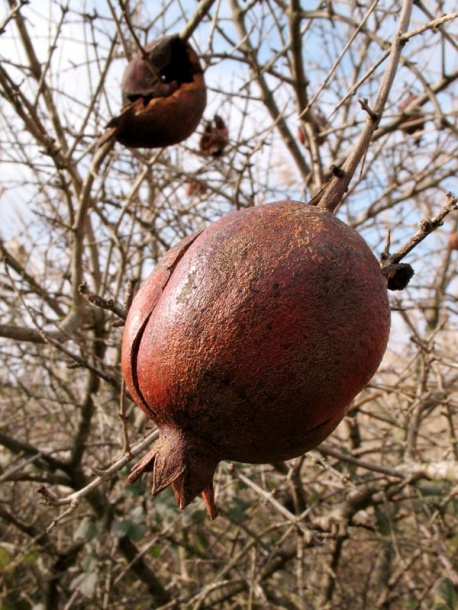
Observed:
{"x":215,"y":137}
{"x":319,"y":124}
{"x":164,"y":96}
{"x":194,"y":187}
{"x":453,"y":241}
{"x":249,"y":340}
{"x":415,"y":119}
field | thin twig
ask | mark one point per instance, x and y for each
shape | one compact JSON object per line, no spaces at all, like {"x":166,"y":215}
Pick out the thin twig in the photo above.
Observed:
{"x":71,"y":323}
{"x":266,"y":91}
{"x":124,"y":419}
{"x":12,"y":14}
{"x":144,"y":53}
{"x":309,"y":535}
{"x":98,"y":301}
{"x":350,"y":41}
{"x":201,"y":11}
{"x":426,"y":227}
{"x":73,"y":499}
{"x":337,"y":187}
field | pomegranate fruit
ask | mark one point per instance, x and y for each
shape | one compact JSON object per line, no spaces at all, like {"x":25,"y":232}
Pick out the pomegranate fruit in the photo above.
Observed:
{"x":250,"y":339}
{"x":215,"y":137}
{"x":414,"y":121}
{"x":319,"y":125}
{"x":453,"y":241}
{"x":164,"y":97}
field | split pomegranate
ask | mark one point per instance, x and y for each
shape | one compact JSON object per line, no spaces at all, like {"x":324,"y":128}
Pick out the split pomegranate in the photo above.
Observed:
{"x":250,"y":339}
{"x":164,"y":96}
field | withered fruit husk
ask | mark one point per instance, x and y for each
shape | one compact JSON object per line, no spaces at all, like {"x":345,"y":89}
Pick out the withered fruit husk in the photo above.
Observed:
{"x":164,"y":96}
{"x":319,"y":124}
{"x":215,"y":137}
{"x":250,"y":339}
{"x":414,"y":122}
{"x":453,"y":241}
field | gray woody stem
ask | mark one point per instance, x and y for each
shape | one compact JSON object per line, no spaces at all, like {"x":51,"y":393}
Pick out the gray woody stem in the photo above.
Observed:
{"x":338,"y":185}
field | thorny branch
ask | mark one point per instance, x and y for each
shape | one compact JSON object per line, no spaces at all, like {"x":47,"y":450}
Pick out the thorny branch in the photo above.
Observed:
{"x":337,"y":187}
{"x":74,"y":499}
{"x":193,"y":22}
{"x":399,"y":274}
{"x":98,"y":301}
{"x":426,"y":227}
{"x":267,"y":95}
{"x":12,"y":14}
{"x":73,"y":322}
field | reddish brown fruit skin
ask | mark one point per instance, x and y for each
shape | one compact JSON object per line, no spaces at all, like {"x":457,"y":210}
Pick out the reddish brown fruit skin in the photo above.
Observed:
{"x":160,"y":113}
{"x":139,"y":314}
{"x":215,"y":137}
{"x":453,"y":241}
{"x":319,"y":124}
{"x":415,"y":120}
{"x":271,"y":321}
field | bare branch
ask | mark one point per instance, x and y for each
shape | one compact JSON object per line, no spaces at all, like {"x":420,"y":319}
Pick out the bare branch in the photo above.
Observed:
{"x":337,"y":187}
{"x":426,"y":227}
{"x":193,"y":23}
{"x":74,"y":499}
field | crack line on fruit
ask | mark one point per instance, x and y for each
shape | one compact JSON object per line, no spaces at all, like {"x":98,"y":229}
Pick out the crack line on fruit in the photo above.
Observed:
{"x":135,"y":350}
{"x":141,"y":330}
